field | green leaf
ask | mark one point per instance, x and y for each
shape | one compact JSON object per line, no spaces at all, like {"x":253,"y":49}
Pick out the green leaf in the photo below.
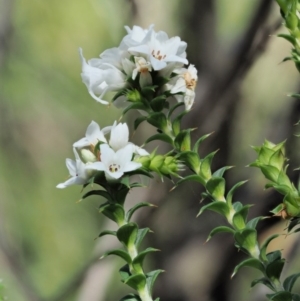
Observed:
{"x":264,"y":281}
{"x":102,"y":193}
{"x":282,"y":296}
{"x":138,"y":121}
{"x":127,"y":234}
{"x":232,"y":190}
{"x":253,"y":222}
{"x":247,"y":240}
{"x":137,"y":262}
{"x":135,"y":106}
{"x":283,"y":189}
{"x":108,"y":232}
{"x":140,"y":236}
{"x":263,"y":249}
{"x":136,"y":207}
{"x":216,"y":187}
{"x":199,"y":141}
{"x":290,"y":281}
{"x":205,"y":167}
{"x":270,"y":172}
{"x":114,"y":212}
{"x":274,"y":269}
{"x":177,"y":122}
{"x":120,"y":253}
{"x":250,"y":262}
{"x":158,"y":103}
{"x":191,"y":159}
{"x":124,"y":272}
{"x":289,"y":38}
{"x":293,"y":223}
{"x":161,"y":137}
{"x":158,"y":120}
{"x":151,"y":277}
{"x":273,"y":256}
{"x":220,"y":229}
{"x":239,"y":219}
{"x":217,"y":206}
{"x":191,"y":178}
{"x":131,"y":297}
{"x":296,"y":297}
{"x":183,"y":140}
{"x":220,"y":172}
{"x":137,"y":282}
{"x":173,"y":108}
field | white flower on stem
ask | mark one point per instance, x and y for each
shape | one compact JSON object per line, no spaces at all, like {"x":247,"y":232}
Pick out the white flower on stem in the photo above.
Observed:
{"x":100,"y":80}
{"x":93,"y":135}
{"x":184,"y":83}
{"x":79,"y":175}
{"x":115,"y":164}
{"x":136,"y":36}
{"x":119,"y":138}
{"x":160,"y":50}
{"x":144,"y":68}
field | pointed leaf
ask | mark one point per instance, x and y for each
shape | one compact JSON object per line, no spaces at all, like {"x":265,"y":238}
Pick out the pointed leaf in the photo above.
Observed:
{"x":127,"y":234}
{"x":205,"y":167}
{"x":171,"y":111}
{"x":220,"y":172}
{"x":107,"y":232}
{"x":264,"y":281}
{"x":232,"y":190}
{"x":191,"y":159}
{"x":216,"y":187}
{"x":140,"y":236}
{"x":183,"y":140}
{"x":220,"y":229}
{"x":290,"y":281}
{"x":137,"y":263}
{"x":151,"y":277}
{"x":161,"y":137}
{"x":138,"y":121}
{"x":136,"y":207}
{"x":102,"y":193}
{"x":217,"y":206}
{"x":137,"y":281}
{"x":158,"y":120}
{"x":125,"y":272}
{"x":199,"y":141}
{"x":120,"y":253}
{"x":239,"y":219}
{"x":247,"y":240}
{"x":114,"y":212}
{"x":263,"y":249}
{"x":135,"y":106}
{"x":282,"y":296}
{"x":274,"y":269}
{"x":158,"y":103}
{"x":253,"y":222}
{"x":191,"y":178}
{"x":250,"y":262}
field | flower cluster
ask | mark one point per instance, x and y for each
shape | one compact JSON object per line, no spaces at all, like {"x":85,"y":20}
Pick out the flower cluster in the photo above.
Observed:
{"x":142,"y":56}
{"x":95,"y":153}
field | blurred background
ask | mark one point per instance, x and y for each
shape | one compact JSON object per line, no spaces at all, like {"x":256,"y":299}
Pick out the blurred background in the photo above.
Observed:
{"x":47,"y":246}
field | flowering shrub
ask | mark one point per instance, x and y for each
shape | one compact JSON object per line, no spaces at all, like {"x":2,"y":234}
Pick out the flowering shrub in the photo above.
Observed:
{"x":149,"y":72}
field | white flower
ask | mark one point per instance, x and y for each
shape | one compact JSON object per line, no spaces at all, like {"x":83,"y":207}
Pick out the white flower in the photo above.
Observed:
{"x":184,"y":83}
{"x":136,"y":36}
{"x":160,"y":50}
{"x":144,"y":68}
{"x":78,"y":172}
{"x":119,"y":138}
{"x":93,"y":135}
{"x":99,"y":80}
{"x":114,"y":164}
